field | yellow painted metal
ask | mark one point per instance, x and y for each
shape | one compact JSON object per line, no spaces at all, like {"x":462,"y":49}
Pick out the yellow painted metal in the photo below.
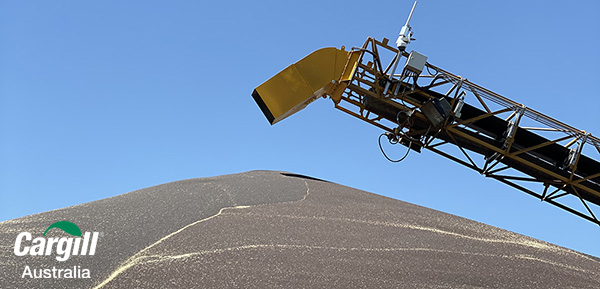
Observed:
{"x":354,"y":83}
{"x":299,"y":84}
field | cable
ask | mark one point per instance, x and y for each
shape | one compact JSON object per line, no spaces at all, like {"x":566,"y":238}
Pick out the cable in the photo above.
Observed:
{"x":388,"y":158}
{"x":406,"y":120}
{"x":425,"y":134}
{"x":436,"y":72}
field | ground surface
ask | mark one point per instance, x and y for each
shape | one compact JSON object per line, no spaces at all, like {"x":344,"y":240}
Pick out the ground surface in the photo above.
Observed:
{"x":265,"y":229}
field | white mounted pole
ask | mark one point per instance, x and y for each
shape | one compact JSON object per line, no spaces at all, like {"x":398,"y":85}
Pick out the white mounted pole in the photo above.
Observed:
{"x":406,"y":32}
{"x":403,"y":40}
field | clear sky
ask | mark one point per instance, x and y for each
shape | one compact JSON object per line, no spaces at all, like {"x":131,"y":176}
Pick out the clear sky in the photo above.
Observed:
{"x":99,"y":98}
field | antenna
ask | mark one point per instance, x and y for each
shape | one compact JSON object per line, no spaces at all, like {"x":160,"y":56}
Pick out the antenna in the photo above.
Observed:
{"x":403,"y":40}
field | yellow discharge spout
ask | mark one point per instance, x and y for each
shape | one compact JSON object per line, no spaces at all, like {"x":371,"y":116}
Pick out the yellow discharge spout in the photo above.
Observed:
{"x":299,"y":84}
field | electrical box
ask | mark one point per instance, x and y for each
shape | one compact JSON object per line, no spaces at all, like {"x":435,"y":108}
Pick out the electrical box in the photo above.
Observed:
{"x":436,"y":110}
{"x":415,"y":62}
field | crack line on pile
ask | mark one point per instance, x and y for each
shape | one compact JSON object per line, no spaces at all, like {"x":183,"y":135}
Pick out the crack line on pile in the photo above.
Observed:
{"x":134,"y":259}
{"x":525,"y":243}
{"x":162,"y":258}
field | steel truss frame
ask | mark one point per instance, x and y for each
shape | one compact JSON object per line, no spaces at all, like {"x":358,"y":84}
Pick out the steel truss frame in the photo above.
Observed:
{"x":528,"y":153}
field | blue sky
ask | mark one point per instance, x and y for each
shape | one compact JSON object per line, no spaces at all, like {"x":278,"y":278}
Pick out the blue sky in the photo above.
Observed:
{"x":99,"y":98}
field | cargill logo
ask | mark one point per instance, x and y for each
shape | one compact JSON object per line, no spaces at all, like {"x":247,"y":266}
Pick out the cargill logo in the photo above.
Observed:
{"x":63,"y":248}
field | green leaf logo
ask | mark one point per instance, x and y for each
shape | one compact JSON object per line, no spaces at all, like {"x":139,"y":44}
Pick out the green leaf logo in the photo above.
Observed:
{"x":65,"y":226}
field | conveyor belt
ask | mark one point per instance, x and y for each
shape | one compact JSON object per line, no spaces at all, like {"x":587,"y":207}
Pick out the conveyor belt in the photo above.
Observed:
{"x":527,"y":158}
{"x":491,"y":129}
